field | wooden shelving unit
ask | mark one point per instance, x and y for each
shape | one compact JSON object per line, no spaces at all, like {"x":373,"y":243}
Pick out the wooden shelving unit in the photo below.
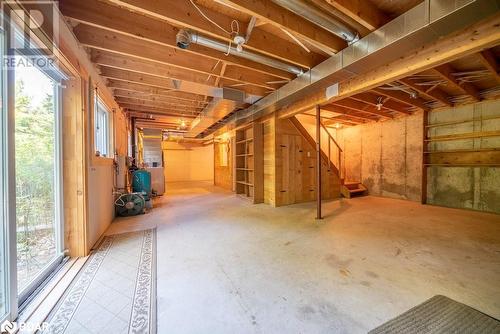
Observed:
{"x":249,"y":167}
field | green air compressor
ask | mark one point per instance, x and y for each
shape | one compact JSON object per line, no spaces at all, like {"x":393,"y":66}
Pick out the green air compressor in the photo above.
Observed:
{"x":141,"y":183}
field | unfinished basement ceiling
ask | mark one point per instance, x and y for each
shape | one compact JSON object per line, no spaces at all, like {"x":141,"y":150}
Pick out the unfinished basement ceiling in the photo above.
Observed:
{"x":465,"y":80}
{"x":133,"y":44}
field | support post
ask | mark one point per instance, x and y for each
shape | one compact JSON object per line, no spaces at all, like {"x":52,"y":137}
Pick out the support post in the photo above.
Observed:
{"x":424,"y":157}
{"x":318,"y":162}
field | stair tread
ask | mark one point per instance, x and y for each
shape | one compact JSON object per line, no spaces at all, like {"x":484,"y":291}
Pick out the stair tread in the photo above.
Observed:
{"x":359,"y":190}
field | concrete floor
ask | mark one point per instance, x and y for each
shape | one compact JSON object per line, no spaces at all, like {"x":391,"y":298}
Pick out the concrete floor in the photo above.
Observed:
{"x":226,"y":266}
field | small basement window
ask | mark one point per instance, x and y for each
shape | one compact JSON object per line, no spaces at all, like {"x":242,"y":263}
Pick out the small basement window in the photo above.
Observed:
{"x":102,"y":129}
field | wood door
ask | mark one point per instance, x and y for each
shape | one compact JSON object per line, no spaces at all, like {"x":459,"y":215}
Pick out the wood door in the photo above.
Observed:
{"x":290,"y":147}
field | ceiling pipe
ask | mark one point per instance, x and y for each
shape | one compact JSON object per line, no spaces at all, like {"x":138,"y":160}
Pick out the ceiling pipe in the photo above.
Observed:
{"x":185,"y":38}
{"x":319,"y":18}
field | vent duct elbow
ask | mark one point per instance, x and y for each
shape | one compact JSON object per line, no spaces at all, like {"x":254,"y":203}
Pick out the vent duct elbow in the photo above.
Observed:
{"x":319,"y":18}
{"x":184,"y":38}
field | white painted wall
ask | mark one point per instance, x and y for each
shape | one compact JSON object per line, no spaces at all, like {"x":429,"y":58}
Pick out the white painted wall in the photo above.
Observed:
{"x":101,"y":203}
{"x":188,"y":162}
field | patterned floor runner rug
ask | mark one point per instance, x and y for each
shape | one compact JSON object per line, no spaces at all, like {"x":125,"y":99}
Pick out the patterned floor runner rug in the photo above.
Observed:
{"x":114,"y":292}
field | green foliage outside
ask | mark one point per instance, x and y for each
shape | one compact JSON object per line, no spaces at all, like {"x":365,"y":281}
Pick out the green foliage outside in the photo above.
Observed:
{"x":34,"y":151}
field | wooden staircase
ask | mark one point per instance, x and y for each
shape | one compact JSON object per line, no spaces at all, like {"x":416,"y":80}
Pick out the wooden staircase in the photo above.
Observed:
{"x":347,"y":189}
{"x":351,"y":189}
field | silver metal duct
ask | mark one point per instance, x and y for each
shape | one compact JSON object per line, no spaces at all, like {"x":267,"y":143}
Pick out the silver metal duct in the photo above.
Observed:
{"x":426,"y":22}
{"x":319,"y":18}
{"x":216,"y":110}
{"x":184,"y":38}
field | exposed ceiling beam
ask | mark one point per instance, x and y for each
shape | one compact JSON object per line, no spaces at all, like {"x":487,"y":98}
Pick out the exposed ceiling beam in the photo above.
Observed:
{"x":435,"y":94}
{"x":402,"y":97}
{"x":154,"y":110}
{"x":143,"y":101}
{"x":166,"y":70}
{"x":155,"y":104}
{"x":157,"y":118}
{"x":167,"y":51}
{"x":157,"y":125}
{"x":280,"y":17}
{"x":144,"y":111}
{"x":341,"y":119}
{"x":387,"y":104}
{"x":183,"y":14}
{"x":363,"y":107}
{"x":154,"y":91}
{"x":362,"y":11}
{"x":477,"y":37}
{"x":360,"y":116}
{"x":154,"y":81}
{"x":158,"y":98}
{"x":118,"y":74}
{"x":489,"y":61}
{"x":445,"y":71}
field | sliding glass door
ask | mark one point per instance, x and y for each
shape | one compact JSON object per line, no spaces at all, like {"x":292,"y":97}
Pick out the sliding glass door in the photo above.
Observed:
{"x":4,"y":263}
{"x":31,"y":233}
{"x":36,"y":157}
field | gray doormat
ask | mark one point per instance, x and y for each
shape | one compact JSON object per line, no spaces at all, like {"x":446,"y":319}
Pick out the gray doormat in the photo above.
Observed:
{"x":114,"y":292}
{"x":440,"y":315}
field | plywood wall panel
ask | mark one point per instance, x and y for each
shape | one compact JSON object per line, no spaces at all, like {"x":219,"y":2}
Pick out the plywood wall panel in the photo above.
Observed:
{"x":223,"y":173}
{"x":269,"y":137}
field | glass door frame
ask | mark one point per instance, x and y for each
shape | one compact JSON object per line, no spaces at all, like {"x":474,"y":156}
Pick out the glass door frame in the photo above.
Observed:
{"x":58,"y":199}
{"x":7,"y":123}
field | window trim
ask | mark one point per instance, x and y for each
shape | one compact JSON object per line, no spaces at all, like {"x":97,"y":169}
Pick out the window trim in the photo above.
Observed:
{"x":99,"y":104}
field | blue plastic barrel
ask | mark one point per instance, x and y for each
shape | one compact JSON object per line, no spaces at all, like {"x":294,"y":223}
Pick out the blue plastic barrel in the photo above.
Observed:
{"x":141,"y":183}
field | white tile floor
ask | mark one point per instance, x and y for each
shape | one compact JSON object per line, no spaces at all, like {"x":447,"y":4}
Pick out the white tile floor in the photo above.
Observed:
{"x":107,"y":304}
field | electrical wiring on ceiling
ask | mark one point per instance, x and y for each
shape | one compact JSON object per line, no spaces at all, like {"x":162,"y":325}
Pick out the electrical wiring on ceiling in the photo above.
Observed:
{"x":235,"y":26}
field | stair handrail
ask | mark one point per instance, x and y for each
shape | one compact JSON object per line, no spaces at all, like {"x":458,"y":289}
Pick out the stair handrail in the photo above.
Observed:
{"x":330,"y":139}
{"x":330,"y":136}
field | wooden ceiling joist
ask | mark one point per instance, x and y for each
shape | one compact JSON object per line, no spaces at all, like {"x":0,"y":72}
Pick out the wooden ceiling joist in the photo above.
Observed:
{"x":156,"y":110}
{"x":362,"y":11}
{"x":154,"y":91}
{"x":477,"y":37}
{"x":403,"y":97}
{"x":387,"y":104}
{"x":118,"y":74}
{"x":144,"y":111}
{"x":354,"y":114}
{"x":490,"y":63}
{"x":183,"y":14}
{"x":149,"y":80}
{"x":435,"y":94}
{"x":158,"y":98}
{"x":445,"y":71}
{"x":166,"y":51}
{"x":280,"y":17}
{"x":362,"y":107}
{"x":155,"y":104}
{"x":166,"y":70}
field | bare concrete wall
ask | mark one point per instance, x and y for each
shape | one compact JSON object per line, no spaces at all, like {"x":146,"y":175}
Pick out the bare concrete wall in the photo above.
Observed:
{"x":466,"y":187}
{"x":386,"y":156}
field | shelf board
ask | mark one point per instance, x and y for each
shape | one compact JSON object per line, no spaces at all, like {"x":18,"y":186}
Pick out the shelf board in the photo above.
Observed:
{"x":245,"y":155}
{"x":244,"y":141}
{"x":247,"y":169}
{"x":463,"y":151}
{"x":245,"y":197}
{"x":245,"y":183}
